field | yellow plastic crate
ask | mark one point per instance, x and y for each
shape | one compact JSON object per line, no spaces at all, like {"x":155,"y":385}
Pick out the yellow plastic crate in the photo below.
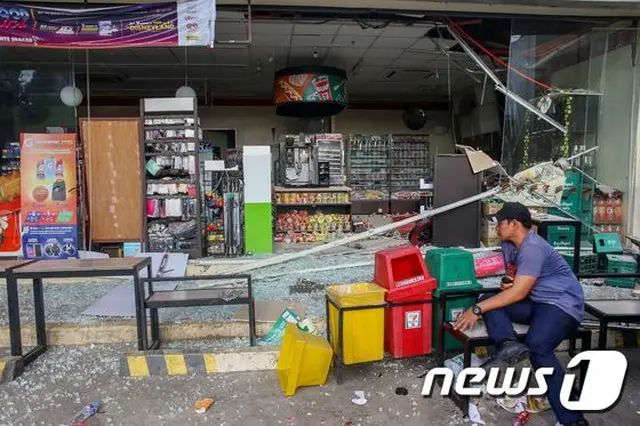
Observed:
{"x":304,"y":360}
{"x":363,"y":330}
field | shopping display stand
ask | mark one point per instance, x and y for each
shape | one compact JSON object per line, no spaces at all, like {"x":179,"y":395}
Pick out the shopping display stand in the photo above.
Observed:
{"x":187,"y":298}
{"x":70,"y":268}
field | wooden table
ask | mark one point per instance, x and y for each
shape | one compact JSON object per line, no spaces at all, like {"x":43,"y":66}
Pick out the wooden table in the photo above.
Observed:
{"x":607,"y":311}
{"x":70,"y":268}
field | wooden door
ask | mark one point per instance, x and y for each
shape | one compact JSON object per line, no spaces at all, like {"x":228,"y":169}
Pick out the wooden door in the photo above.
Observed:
{"x":113,"y":175}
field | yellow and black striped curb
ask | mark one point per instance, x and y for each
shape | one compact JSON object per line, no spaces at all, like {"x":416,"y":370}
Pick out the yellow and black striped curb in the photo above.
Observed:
{"x":10,"y":368}
{"x":172,"y":363}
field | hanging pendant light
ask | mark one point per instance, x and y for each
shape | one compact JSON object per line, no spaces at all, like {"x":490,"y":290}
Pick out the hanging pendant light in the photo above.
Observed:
{"x":70,"y":95}
{"x":185,"y":91}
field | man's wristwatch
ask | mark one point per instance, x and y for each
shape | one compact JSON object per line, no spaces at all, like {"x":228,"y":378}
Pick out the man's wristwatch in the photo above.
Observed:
{"x":476,"y":310}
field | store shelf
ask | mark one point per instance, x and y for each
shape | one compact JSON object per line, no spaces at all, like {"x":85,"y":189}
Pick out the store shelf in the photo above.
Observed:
{"x":312,"y":189}
{"x":169,"y":154}
{"x":311,"y":205}
{"x":171,"y":140}
{"x":164,"y":197}
{"x":162,"y":181}
{"x":169,"y":127}
{"x":171,"y":219}
{"x":165,"y":124}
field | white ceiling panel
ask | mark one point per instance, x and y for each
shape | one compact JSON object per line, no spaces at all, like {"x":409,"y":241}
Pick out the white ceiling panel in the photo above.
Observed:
{"x":405,"y":31}
{"x":230,"y":56}
{"x":425,"y":44}
{"x":160,"y":55}
{"x":275,"y":40}
{"x":354,"y":41}
{"x":230,"y":27}
{"x":271,"y":28}
{"x":230,"y":70}
{"x":393,"y":43}
{"x":383,"y":53}
{"x":356,"y":30}
{"x":315,"y":29}
{"x":225,"y":37}
{"x":408,"y":62}
{"x":347,"y":52}
{"x":311,"y":41}
{"x":376,"y":62}
{"x":344,"y":63}
{"x":307,"y":52}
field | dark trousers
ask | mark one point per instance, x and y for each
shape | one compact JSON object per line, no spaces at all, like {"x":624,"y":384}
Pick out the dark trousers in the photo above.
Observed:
{"x":548,"y":327}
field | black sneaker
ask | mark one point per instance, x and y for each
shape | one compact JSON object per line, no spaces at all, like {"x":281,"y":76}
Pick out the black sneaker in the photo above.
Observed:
{"x":510,"y":353}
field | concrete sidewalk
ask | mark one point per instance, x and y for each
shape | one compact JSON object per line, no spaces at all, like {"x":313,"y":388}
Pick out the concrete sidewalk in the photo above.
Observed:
{"x":65,"y":379}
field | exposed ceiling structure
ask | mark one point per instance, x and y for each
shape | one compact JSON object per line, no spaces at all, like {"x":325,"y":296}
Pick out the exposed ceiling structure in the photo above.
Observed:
{"x":384,"y":61}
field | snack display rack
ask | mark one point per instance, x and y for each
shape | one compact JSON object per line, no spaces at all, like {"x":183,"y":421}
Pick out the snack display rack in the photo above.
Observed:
{"x":330,"y":149}
{"x":410,"y":162}
{"x":10,"y":158}
{"x":369,"y":167}
{"x":311,"y":214}
{"x":170,"y":144}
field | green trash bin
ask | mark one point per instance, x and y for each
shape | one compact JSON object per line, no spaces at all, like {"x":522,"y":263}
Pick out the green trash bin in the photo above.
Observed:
{"x":453,"y":269}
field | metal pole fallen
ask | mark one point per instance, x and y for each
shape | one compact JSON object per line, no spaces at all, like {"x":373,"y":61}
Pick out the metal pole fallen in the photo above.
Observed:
{"x":361,"y":236}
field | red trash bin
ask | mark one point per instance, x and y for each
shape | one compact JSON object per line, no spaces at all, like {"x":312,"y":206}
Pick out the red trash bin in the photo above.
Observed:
{"x":407,"y":327}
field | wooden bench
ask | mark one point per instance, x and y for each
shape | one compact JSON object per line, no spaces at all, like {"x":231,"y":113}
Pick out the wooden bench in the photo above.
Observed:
{"x":188,"y":298}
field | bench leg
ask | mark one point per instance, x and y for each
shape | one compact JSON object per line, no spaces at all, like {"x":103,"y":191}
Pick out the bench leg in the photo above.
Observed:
{"x":141,"y":314}
{"x":155,"y":329}
{"x":13,"y":305}
{"x":586,"y":346}
{"x":602,"y":339}
{"x":466,"y":363}
{"x":38,"y":306}
{"x":572,"y":346}
{"x":252,"y":322}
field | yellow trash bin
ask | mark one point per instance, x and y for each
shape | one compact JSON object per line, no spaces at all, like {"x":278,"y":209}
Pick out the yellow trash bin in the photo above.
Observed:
{"x":362,"y":330}
{"x":304,"y":360}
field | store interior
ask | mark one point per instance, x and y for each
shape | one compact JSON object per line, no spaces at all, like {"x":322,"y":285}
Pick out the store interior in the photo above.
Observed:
{"x":411,"y":94}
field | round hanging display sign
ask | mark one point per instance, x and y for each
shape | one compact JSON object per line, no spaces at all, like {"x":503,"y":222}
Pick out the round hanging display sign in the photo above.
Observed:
{"x":310,"y":91}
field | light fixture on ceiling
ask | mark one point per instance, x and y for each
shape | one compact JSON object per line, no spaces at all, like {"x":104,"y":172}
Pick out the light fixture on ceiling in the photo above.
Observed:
{"x":71,"y":96}
{"x":270,"y":58}
{"x":185,"y":91}
{"x":315,"y":53}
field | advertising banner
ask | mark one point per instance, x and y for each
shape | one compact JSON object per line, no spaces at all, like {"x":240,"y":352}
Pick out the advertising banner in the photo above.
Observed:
{"x":181,"y":23}
{"x":309,"y":88}
{"x":49,"y":198}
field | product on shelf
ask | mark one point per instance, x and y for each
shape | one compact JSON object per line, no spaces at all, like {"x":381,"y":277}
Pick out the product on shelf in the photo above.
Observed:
{"x":171,"y":142}
{"x":608,"y":209}
{"x":329,"y":148}
{"x":410,"y":162}
{"x":303,"y":221}
{"x":312,"y":197}
{"x":369,"y":166}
